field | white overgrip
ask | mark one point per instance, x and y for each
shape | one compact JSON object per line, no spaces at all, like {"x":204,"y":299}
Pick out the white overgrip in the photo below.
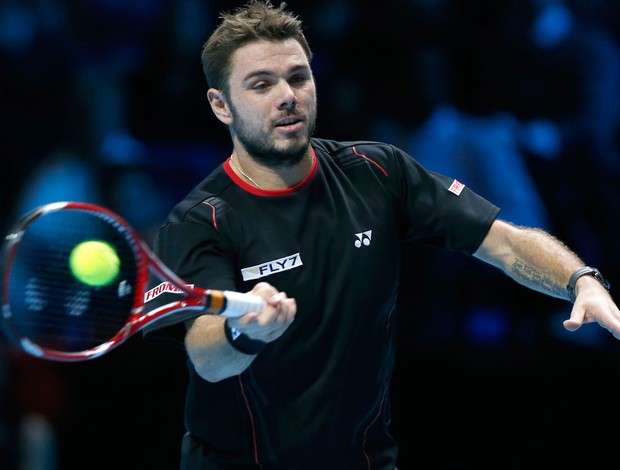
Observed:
{"x":238,"y":304}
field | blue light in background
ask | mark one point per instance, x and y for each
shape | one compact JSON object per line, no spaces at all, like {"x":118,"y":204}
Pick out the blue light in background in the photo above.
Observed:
{"x":487,"y":326}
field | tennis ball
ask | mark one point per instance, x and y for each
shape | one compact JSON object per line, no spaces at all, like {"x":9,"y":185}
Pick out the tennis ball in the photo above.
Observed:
{"x":94,"y":263}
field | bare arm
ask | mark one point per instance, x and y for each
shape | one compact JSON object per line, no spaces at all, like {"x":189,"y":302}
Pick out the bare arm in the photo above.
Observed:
{"x":543,"y":263}
{"x":212,"y":354}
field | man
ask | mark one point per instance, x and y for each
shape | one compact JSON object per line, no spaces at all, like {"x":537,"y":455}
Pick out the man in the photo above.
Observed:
{"x":315,"y":227}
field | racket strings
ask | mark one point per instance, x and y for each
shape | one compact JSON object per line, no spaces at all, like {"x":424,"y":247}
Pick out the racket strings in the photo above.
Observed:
{"x":47,"y":305}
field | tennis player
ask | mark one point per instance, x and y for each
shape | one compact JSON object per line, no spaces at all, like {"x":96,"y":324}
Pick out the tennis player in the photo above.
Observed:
{"x":315,"y":227}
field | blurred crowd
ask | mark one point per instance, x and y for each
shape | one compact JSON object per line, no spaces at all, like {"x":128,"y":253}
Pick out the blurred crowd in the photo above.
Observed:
{"x":105,"y":101}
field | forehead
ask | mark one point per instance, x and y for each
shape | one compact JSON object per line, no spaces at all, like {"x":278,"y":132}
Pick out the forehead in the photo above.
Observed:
{"x":267,"y":57}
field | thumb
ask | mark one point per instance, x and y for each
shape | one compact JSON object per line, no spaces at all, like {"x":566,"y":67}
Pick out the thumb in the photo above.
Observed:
{"x":576,"y":319}
{"x":577,"y":316}
{"x":572,"y":324}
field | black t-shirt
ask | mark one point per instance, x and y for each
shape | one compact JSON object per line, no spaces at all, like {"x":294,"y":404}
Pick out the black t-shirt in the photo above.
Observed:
{"x":317,"y":397}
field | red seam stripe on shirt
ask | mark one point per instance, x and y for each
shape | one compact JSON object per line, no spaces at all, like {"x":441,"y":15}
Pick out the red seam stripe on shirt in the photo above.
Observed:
{"x":212,"y":214}
{"x":247,"y":405}
{"x":374,"y":420}
{"x":370,"y":160}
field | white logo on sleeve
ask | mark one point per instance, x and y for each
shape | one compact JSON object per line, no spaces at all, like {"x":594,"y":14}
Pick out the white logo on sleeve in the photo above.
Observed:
{"x":272,"y":267}
{"x":363,"y":238}
{"x":456,"y":187}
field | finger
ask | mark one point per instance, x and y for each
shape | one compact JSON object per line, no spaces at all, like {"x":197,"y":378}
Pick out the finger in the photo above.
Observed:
{"x":272,"y":298}
{"x":241,"y":323}
{"x":276,"y":299}
{"x":572,"y":325}
{"x":286,"y":311}
{"x":290,"y":310}
{"x":576,"y":319}
{"x":285,"y":319}
{"x":272,"y":321}
{"x":278,"y":306}
{"x":264,"y":289}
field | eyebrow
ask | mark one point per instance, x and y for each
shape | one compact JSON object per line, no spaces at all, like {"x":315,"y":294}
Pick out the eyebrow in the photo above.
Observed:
{"x":262,"y":73}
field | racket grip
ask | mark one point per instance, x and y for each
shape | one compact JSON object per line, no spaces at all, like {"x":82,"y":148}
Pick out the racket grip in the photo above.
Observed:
{"x":238,"y":303}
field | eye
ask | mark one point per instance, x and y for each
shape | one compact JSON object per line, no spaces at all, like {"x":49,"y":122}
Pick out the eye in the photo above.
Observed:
{"x":260,"y":85}
{"x":298,"y":78}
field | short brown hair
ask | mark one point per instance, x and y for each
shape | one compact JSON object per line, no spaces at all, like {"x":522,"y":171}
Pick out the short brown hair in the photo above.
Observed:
{"x":257,"y":19}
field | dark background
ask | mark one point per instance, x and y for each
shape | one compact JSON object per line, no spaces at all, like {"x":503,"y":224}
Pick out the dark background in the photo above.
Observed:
{"x":105,"y":101}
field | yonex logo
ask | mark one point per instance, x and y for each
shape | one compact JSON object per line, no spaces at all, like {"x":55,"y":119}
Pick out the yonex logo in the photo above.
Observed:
{"x":235,"y":333}
{"x":124,"y":288}
{"x":363,"y":238}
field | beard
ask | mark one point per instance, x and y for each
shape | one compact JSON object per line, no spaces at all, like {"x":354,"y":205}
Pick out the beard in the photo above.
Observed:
{"x":261,"y":146}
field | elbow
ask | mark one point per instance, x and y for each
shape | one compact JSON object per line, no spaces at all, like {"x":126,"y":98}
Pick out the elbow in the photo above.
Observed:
{"x":204,"y":349}
{"x":208,"y":372}
{"x":213,"y":378}
{"x":210,"y":355}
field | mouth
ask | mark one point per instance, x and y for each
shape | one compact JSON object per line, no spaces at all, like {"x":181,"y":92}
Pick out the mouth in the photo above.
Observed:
{"x":290,"y":124}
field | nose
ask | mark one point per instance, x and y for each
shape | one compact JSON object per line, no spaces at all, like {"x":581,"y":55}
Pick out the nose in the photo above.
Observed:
{"x":287,"y":98}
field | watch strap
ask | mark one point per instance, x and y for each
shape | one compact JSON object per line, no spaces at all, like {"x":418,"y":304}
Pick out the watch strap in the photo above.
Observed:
{"x":585,"y":271}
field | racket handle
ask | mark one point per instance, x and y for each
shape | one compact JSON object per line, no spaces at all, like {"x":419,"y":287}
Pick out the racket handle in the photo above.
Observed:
{"x":238,"y":303}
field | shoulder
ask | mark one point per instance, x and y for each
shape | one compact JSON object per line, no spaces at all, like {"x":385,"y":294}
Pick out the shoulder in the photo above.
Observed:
{"x":205,"y":202}
{"x":379,"y":156}
{"x":337,"y":148}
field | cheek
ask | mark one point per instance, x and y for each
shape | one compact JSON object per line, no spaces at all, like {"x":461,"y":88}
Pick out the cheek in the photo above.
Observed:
{"x":253,"y":119}
{"x":309,"y":97}
{"x":253,"y":111}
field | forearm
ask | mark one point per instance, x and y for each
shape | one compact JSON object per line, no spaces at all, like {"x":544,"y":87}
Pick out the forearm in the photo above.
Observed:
{"x":211,"y":353}
{"x":531,"y":257}
{"x":210,"y":349}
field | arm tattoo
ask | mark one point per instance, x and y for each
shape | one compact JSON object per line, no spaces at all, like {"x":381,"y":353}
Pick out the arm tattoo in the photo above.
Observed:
{"x":528,"y":275}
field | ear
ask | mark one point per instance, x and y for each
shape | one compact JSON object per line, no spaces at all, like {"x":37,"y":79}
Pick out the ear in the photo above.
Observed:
{"x":219,"y":106}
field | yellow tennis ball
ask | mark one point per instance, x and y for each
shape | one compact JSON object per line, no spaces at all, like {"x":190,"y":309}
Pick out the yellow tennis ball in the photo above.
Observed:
{"x":94,"y":263}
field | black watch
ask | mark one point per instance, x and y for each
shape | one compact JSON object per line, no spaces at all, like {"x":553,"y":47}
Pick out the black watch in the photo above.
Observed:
{"x":587,"y":271}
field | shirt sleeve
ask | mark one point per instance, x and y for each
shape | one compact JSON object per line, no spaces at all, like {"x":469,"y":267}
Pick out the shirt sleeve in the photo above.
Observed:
{"x":199,"y":255}
{"x":440,"y":210}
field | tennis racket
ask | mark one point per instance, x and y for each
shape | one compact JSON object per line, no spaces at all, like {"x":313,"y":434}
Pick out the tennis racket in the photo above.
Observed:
{"x":51,"y":314}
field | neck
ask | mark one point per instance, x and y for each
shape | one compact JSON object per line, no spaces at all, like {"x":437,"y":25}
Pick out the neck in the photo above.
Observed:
{"x":237,"y":167}
{"x":270,"y":178}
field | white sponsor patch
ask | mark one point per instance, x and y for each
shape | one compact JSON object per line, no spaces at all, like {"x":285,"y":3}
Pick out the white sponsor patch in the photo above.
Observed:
{"x":272,"y":267}
{"x":161,"y":289}
{"x":456,"y":187}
